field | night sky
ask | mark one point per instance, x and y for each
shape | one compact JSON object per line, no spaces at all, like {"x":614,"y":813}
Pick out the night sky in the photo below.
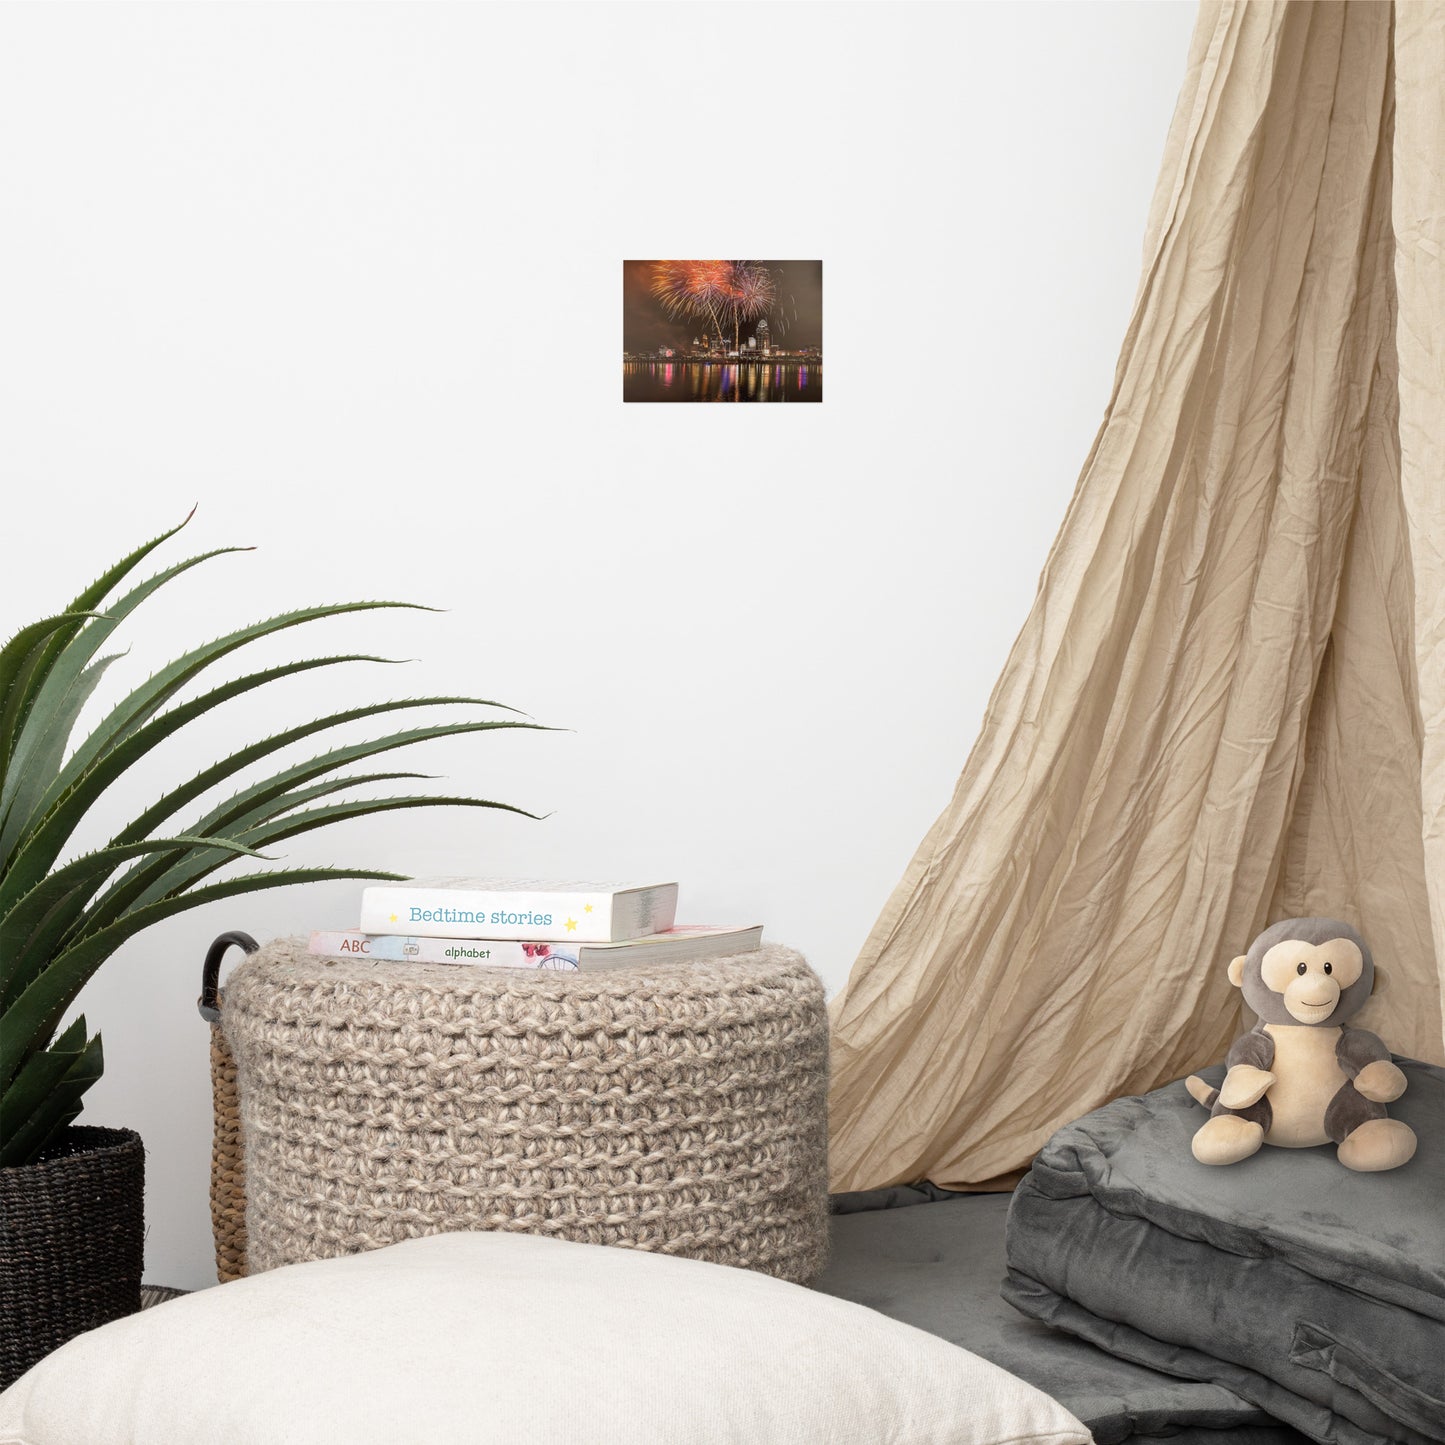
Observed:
{"x":796,"y":319}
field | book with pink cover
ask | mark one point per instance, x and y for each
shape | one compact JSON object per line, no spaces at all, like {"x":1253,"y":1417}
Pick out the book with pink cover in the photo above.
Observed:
{"x":674,"y":945}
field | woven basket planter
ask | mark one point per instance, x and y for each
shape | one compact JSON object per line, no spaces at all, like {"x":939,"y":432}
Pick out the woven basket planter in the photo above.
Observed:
{"x":678,"y":1108}
{"x":228,"y":1160}
{"x":71,"y":1243}
{"x":228,"y":1164}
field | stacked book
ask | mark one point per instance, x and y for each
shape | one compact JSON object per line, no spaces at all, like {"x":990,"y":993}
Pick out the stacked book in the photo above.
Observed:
{"x":502,"y":923}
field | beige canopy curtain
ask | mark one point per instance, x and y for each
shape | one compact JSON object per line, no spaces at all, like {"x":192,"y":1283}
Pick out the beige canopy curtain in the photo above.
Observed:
{"x":1228,"y":702}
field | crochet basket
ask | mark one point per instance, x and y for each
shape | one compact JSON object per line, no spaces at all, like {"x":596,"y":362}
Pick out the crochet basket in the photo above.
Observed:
{"x":679,"y":1108}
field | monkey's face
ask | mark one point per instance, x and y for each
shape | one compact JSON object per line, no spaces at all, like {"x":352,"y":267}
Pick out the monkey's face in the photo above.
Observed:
{"x":1312,"y":971}
{"x":1310,"y":977}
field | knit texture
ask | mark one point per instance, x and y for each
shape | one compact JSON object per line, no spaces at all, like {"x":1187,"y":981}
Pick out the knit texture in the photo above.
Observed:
{"x":677,"y":1107}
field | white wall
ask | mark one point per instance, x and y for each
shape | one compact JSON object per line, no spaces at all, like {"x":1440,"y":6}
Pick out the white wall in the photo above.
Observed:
{"x":349,"y":278}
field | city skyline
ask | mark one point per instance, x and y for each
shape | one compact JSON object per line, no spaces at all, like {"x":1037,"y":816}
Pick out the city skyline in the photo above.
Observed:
{"x":787,"y":295}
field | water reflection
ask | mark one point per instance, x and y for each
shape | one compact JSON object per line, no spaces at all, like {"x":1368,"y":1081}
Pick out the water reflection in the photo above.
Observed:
{"x":731,"y":381}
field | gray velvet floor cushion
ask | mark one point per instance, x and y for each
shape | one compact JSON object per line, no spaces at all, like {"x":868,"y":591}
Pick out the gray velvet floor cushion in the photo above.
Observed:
{"x":1311,"y":1291}
{"x":938,"y":1263}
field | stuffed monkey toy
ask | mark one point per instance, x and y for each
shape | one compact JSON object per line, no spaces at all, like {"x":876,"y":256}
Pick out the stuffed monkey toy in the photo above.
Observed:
{"x":1301,"y":1075}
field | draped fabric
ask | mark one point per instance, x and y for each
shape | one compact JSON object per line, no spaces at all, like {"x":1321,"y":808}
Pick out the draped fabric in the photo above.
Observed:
{"x":1227,"y":704}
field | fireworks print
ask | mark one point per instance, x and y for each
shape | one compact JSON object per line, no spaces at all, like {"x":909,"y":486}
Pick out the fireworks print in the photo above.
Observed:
{"x":722,"y":331}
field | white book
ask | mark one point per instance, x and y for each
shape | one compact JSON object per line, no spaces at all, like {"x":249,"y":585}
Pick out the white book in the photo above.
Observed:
{"x":682,"y":944}
{"x":523,"y":909}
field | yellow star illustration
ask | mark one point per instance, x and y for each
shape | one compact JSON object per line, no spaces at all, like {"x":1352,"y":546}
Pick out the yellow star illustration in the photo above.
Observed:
{"x":393,"y":918}
{"x":587,"y":908}
{"x":571,"y":925}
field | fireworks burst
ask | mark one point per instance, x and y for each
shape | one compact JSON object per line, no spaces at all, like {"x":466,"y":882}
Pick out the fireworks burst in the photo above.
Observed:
{"x":752,"y":289}
{"x":713,"y":290}
{"x":690,"y":288}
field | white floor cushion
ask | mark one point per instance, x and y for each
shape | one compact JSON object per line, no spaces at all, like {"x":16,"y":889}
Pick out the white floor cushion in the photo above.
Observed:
{"x":476,"y":1338}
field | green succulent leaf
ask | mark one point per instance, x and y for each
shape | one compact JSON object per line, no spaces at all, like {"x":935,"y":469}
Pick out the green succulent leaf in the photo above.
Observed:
{"x":46,"y":1093}
{"x":65,"y":806}
{"x":33,"y":924}
{"x":50,"y":746}
{"x":51,"y":701}
{"x":109,"y":580}
{"x":34,"y":1015}
{"x":20,"y":692}
{"x":124,"y":892}
{"x":212,"y":777}
{"x":253,"y":804}
{"x":145,"y":701}
{"x":187,"y":871}
{"x":17,"y":693}
{"x":18,"y":660}
{"x":60,"y":921}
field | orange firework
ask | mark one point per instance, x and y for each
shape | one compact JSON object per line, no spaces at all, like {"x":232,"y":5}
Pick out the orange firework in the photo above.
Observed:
{"x":711,"y":290}
{"x":690,"y":288}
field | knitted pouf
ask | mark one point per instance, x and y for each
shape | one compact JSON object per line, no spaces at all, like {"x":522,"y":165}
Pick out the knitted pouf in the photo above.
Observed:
{"x":674,"y":1107}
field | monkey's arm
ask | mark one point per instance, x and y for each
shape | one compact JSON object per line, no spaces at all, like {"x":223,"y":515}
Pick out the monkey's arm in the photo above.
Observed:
{"x":1247,"y":1063}
{"x":1365,"y":1060}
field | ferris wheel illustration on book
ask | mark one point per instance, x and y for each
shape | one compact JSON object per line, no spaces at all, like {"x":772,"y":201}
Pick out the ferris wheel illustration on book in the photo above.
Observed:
{"x":548,"y":955}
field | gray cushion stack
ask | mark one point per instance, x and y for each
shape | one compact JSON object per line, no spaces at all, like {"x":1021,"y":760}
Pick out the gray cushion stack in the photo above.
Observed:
{"x":1313,"y":1292}
{"x":935,"y":1260}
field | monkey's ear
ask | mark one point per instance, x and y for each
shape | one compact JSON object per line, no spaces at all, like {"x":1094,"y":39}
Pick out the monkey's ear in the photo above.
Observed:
{"x":1381,"y":984}
{"x":1236,"y":969}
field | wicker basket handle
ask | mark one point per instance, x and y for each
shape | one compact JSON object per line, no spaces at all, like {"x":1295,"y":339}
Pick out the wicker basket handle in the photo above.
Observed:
{"x":209,"y":1003}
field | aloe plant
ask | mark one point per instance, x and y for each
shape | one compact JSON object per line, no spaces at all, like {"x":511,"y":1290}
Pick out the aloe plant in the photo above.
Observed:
{"x":59,"y":921}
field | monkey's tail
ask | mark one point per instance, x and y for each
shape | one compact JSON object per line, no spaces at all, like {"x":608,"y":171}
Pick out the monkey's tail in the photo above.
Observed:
{"x":1201,"y":1092}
